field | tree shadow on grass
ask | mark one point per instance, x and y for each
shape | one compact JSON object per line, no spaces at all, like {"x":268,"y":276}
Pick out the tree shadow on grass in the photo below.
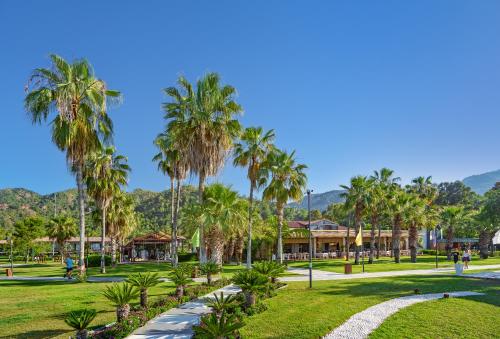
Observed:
{"x":400,"y":286}
{"x":38,"y":334}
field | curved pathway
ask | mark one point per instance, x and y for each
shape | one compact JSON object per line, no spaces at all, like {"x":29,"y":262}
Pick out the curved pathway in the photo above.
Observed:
{"x":363,"y":323}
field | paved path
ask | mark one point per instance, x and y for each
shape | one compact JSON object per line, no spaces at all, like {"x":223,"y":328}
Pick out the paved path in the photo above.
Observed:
{"x":324,"y":275}
{"x":484,"y":275}
{"x":178,"y":322}
{"x":360,"y":325}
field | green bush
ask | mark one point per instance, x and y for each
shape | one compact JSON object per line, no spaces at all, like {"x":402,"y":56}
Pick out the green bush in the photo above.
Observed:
{"x":433,"y":252}
{"x":94,"y":260}
{"x":185,"y":256}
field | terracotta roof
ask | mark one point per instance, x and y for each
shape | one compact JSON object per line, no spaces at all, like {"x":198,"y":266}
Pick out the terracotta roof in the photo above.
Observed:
{"x":75,"y":239}
{"x":304,"y":224}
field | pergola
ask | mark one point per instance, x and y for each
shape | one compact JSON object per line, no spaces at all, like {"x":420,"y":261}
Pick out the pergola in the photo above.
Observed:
{"x":152,"y":246}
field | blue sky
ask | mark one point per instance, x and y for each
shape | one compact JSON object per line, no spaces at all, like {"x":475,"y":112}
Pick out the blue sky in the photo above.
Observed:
{"x":350,"y":85}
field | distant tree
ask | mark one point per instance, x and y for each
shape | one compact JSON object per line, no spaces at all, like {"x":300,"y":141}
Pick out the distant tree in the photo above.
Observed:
{"x":455,"y":193}
{"x":452,"y":217}
{"x":337,"y":213}
{"x":26,"y":231}
{"x":488,"y":220}
{"x":62,"y":229}
{"x":316,"y":214}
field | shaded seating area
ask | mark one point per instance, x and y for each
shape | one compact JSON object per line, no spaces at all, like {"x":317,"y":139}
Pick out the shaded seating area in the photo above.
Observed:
{"x":154,"y":246}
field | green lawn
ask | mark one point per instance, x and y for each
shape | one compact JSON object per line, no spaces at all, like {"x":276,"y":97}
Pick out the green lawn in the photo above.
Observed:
{"x":298,"y":312}
{"x":387,"y":264}
{"x":36,"y":309}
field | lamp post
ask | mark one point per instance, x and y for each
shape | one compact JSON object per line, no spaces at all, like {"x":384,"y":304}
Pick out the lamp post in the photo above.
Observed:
{"x":436,"y":229}
{"x":11,"y":257}
{"x":362,"y":247}
{"x":310,"y":237}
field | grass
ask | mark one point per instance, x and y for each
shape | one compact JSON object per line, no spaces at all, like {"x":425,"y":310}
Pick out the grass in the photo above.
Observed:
{"x":387,"y":264}
{"x":300,"y":312}
{"x":32,"y":309}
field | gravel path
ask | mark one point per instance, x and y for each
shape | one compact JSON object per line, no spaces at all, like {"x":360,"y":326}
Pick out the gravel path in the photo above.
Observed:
{"x":90,"y":279}
{"x":178,"y":323}
{"x":363,"y":323}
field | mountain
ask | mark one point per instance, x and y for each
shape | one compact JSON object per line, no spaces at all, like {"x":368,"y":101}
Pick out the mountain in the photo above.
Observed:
{"x":320,"y":201}
{"x":481,"y":183}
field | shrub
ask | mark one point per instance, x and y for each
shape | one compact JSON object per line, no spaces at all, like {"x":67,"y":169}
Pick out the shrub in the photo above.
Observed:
{"x":180,"y":276}
{"x":220,"y":303}
{"x":251,"y":282}
{"x":121,"y":295}
{"x":185,"y":256}
{"x":143,"y":281}
{"x":80,"y":320}
{"x":94,"y":260}
{"x":209,"y":268}
{"x":270,"y":269}
{"x":213,"y":326}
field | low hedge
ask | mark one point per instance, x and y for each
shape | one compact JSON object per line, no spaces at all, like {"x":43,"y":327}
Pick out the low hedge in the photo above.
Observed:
{"x":184,"y":257}
{"x":94,"y":260}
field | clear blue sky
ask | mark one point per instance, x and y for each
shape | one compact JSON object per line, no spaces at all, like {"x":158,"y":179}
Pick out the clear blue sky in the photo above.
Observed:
{"x":351,"y":85}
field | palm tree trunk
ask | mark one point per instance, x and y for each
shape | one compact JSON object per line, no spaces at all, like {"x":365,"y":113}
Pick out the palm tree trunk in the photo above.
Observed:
{"x":82,"y":334}
{"x":240,"y":244}
{"x":103,"y":241}
{"x":113,"y":251}
{"x":81,"y":212}
{"x":250,"y":211}
{"x":62,"y":251}
{"x":413,"y":236}
{"x":216,"y":243}
{"x":449,"y":241}
{"x":231,"y":244}
{"x":201,"y":189}
{"x":144,"y":298}
{"x":379,"y":241}
{"x":279,"y":252}
{"x":357,"y":218}
{"x":372,"y":240}
{"x":396,"y":239}
{"x":348,"y":240}
{"x":483,"y":244}
{"x":122,"y":312}
{"x":174,"y":224}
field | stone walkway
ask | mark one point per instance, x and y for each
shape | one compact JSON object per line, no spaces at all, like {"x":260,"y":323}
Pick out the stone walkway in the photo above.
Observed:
{"x":324,"y":275}
{"x":178,"y":323}
{"x":360,"y":325}
{"x":483,"y":275}
{"x":90,"y":279}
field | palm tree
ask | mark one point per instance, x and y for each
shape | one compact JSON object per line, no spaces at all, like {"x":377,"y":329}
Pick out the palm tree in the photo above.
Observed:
{"x":221,"y":326}
{"x":388,"y":183}
{"x":416,"y":218}
{"x":376,"y":207}
{"x":398,"y":206}
{"x":220,"y":303}
{"x":251,"y":152}
{"x":171,"y":162}
{"x":144,"y":281}
{"x":81,"y":124}
{"x":121,"y":295}
{"x":62,"y":229}
{"x":209,"y":268}
{"x":223,"y":210}
{"x":250,"y":282}
{"x":105,"y":174}
{"x":270,"y":269}
{"x":288,"y":182}
{"x":204,"y":119}
{"x":121,"y":220}
{"x":357,"y":198}
{"x":80,"y":321}
{"x":452,"y":216}
{"x":180,"y":277}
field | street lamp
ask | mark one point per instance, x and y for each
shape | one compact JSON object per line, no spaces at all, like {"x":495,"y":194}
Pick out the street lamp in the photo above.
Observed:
{"x":11,"y":257}
{"x":310,"y":237}
{"x":436,"y":229}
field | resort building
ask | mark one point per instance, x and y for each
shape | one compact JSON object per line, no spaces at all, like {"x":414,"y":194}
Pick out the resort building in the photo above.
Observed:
{"x":330,"y":240}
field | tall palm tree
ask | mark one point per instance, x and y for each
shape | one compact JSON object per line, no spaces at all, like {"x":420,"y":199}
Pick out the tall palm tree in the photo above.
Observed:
{"x":452,"y":217}
{"x":121,"y":221}
{"x":171,"y":162}
{"x":388,"y":183}
{"x":204,"y":118}
{"x":251,"y":152}
{"x":399,"y":205}
{"x":79,"y":101}
{"x":376,"y":207}
{"x":223,"y":209}
{"x":357,"y":197}
{"x":288,"y":182}
{"x":416,"y":218}
{"x":62,"y":229}
{"x":105,"y":173}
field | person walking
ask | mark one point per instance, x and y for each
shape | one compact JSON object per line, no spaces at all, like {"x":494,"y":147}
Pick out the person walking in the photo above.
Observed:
{"x":69,"y":267}
{"x":466,"y":258}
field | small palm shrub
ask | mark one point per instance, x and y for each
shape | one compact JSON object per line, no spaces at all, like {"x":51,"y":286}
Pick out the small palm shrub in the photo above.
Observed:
{"x":82,"y":277}
{"x":143,"y":281}
{"x":209,"y":268}
{"x":80,"y":320}
{"x":180,"y":276}
{"x":213,"y":326}
{"x":251,"y":282}
{"x":270,"y":269}
{"x":121,"y":295}
{"x":220,"y":303}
